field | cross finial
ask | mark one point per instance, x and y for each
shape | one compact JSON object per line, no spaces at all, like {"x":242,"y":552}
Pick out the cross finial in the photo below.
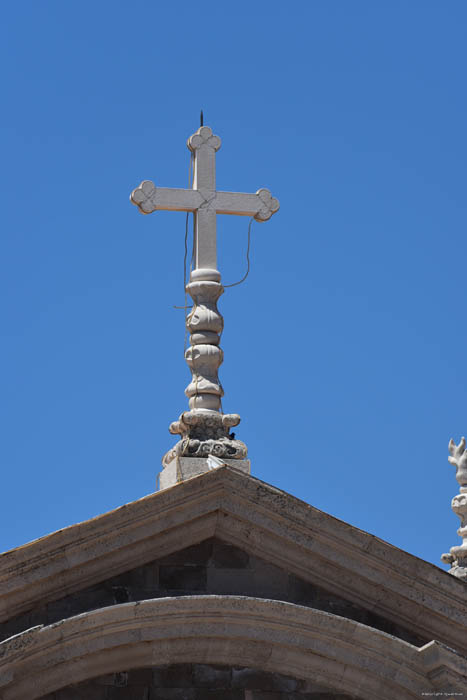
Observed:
{"x":204,"y":429}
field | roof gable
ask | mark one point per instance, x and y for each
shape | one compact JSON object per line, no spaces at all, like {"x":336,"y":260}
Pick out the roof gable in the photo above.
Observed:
{"x":258,"y":518}
{"x":211,"y":567}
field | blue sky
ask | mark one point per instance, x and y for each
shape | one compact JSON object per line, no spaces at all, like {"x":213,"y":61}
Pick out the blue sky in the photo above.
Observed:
{"x":345,"y":348}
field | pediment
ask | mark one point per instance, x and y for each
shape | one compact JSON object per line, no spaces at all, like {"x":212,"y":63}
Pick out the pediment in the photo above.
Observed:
{"x":254,"y":518}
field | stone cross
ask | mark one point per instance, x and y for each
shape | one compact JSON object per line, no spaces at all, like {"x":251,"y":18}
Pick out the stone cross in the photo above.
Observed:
{"x":205,"y":202}
{"x":204,"y":429}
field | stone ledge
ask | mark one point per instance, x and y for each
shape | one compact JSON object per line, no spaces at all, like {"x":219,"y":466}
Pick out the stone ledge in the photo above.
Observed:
{"x":263,"y":520}
{"x":183,"y":468}
{"x":311,"y":645}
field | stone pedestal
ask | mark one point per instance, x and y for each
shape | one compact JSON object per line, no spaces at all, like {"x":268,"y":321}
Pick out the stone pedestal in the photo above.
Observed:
{"x":183,"y":468}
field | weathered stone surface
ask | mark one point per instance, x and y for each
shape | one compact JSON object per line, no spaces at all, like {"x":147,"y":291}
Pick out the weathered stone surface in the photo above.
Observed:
{"x":212,"y":567}
{"x":242,"y":511}
{"x":176,"y":676}
{"x":91,"y":691}
{"x":178,"y":469}
{"x":213,"y":677}
{"x":457,"y":555}
{"x":182,"y":578}
{"x":198,"y":682}
{"x":254,"y":679}
{"x":342,"y":655}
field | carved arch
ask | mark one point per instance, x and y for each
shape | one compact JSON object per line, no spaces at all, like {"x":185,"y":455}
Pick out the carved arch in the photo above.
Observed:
{"x":309,"y":644}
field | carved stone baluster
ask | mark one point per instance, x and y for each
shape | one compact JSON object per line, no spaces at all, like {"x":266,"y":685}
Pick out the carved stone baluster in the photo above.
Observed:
{"x":204,"y":355}
{"x":457,"y":556}
{"x":204,"y":430}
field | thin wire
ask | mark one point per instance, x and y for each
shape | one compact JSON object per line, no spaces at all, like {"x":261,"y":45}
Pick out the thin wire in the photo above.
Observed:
{"x":247,"y":259}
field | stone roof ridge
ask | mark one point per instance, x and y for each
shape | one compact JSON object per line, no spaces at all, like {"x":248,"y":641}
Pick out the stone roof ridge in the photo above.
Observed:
{"x":279,"y":528}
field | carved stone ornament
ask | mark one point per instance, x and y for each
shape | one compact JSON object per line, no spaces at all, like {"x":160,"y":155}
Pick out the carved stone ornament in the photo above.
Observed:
{"x":269,"y":205}
{"x":204,"y":434}
{"x":204,"y":430}
{"x":457,"y":556}
{"x":145,"y":197}
{"x":204,"y":137}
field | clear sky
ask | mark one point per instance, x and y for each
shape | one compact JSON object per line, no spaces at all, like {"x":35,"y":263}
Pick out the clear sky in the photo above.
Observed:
{"x":345,"y":350}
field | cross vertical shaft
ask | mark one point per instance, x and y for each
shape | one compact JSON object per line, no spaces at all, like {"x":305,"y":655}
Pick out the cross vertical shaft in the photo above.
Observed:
{"x":204,"y":145}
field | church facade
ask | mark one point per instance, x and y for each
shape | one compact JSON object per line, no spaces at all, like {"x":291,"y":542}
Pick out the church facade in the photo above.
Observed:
{"x":225,"y":587}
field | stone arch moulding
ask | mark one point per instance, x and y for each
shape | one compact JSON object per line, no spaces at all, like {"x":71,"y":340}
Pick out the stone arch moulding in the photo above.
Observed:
{"x":308,"y":644}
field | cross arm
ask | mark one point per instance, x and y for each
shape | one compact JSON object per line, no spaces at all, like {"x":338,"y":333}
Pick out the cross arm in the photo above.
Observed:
{"x":148,"y":198}
{"x":261,"y":205}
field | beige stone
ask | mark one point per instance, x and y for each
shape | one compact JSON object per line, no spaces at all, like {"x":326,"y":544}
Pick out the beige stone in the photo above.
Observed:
{"x":270,"y":635}
{"x":183,"y":468}
{"x":263,"y":520}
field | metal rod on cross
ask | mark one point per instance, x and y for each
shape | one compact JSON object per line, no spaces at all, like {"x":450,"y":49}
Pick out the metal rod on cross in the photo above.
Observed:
{"x":204,"y":429}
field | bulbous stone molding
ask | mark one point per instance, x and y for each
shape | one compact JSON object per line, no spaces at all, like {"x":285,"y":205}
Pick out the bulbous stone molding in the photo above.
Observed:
{"x":203,"y":137}
{"x":457,"y":555}
{"x":145,"y":197}
{"x":204,"y":430}
{"x":269,"y":205}
{"x":204,"y":434}
{"x":307,"y":644}
{"x":458,"y":457}
{"x":204,"y":356}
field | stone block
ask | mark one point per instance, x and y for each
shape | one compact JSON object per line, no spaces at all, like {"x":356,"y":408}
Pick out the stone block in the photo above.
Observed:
{"x":301,"y":592}
{"x":138,"y":576}
{"x":227,"y":556}
{"x":183,"y":468}
{"x":140,"y":676}
{"x":312,"y":689}
{"x":108,"y":679}
{"x":178,"y":676}
{"x":59,"y":609}
{"x":121,"y":594}
{"x":150,"y":575}
{"x":172,"y":694}
{"x":197,"y":554}
{"x":17,"y":624}
{"x":205,"y":676}
{"x":129,"y":693}
{"x":230,"y":582}
{"x":99,"y":596}
{"x":144,"y":593}
{"x":269,"y":581}
{"x":86,"y":691}
{"x":253,"y":679}
{"x":183,"y":578}
{"x":219,"y":694}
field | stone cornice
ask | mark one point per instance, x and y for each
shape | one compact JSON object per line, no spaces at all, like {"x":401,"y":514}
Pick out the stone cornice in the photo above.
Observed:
{"x":259,"y":518}
{"x":310,"y":644}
